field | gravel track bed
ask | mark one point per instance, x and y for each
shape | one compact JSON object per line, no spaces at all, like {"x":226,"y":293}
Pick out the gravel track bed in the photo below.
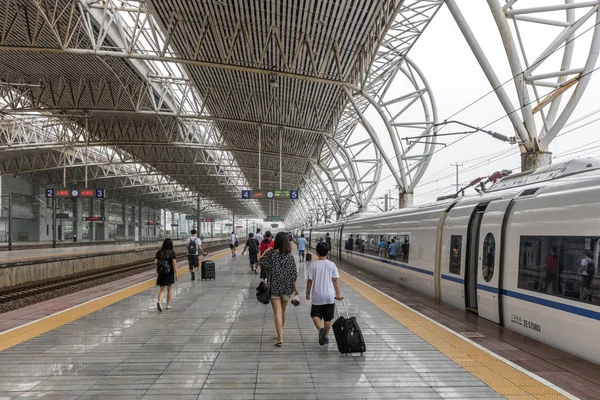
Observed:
{"x":27,"y":301}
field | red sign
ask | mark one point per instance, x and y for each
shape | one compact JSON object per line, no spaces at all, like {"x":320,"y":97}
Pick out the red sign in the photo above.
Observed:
{"x":150,"y":223}
{"x":62,"y":193}
{"x":93,"y":218}
{"x":87,"y":193}
{"x":239,"y":227}
{"x":256,"y":194}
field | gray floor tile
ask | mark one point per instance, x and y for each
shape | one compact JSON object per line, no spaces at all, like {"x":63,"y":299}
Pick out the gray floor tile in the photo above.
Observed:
{"x":217,"y":343}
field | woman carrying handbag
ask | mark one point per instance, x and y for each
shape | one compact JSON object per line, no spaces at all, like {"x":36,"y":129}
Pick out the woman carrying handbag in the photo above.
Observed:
{"x":281,"y":274}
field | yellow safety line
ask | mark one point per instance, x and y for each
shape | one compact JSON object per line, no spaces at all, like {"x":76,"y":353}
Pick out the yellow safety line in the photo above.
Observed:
{"x":500,"y":376}
{"x":24,"y":333}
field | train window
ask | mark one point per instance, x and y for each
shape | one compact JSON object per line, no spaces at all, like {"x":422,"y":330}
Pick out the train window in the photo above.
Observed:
{"x":455,"y":253}
{"x":489,"y":257}
{"x":561,"y":266}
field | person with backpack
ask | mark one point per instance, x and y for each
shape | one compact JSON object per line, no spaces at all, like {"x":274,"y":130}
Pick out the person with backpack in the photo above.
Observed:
{"x":323,"y":281}
{"x":166,"y":267}
{"x":194,"y":245}
{"x":587,"y":271}
{"x":252,"y":247}
{"x":233,"y":243}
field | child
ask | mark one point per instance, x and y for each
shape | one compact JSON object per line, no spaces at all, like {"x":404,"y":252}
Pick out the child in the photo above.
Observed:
{"x":323,"y":279}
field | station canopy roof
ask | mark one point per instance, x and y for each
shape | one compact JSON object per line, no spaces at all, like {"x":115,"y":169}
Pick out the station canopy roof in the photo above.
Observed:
{"x":160,"y":102}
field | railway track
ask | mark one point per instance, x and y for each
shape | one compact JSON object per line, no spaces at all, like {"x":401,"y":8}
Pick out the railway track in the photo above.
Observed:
{"x":41,"y":287}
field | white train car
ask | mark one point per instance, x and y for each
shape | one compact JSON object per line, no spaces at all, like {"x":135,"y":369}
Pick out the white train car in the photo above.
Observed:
{"x":512,"y":254}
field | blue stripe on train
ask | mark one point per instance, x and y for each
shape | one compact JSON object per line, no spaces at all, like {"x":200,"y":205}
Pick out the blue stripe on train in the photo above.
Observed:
{"x":516,"y":295}
{"x":394,"y":263}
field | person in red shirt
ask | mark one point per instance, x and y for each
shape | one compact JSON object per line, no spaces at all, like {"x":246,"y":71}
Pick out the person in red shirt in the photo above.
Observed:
{"x":552,"y":271}
{"x":266,"y":243}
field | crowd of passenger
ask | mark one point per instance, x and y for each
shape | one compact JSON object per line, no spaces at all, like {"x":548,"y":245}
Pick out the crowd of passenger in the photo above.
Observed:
{"x":278,"y":272}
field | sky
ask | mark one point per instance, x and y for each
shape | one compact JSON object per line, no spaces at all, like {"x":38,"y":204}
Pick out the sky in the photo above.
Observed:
{"x":457,"y":80}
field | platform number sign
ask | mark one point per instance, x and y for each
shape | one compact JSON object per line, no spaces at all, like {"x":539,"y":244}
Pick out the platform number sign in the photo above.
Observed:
{"x":245,"y":194}
{"x":49,"y":192}
{"x":100,"y":193}
{"x":294,"y":194}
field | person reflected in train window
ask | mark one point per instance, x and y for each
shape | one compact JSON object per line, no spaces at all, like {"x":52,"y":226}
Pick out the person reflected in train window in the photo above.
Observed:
{"x":404,"y":250}
{"x":551,"y":272}
{"x":387,"y":248}
{"x":488,"y":268}
{"x":393,"y":250}
{"x":382,"y":247}
{"x":586,"y":269}
{"x":358,"y":243}
{"x":350,"y":245}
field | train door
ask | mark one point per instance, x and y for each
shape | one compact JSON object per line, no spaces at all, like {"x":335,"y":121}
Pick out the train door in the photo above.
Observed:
{"x":472,"y":260}
{"x":489,"y":278}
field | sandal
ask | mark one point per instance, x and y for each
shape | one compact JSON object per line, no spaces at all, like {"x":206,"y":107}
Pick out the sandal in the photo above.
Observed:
{"x":158,"y":307}
{"x":279,"y":343}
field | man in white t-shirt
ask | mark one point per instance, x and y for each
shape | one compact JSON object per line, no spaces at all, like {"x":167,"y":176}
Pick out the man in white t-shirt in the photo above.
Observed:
{"x":194,"y":248}
{"x":233,"y":243}
{"x":258,"y":235}
{"x":323,"y":280}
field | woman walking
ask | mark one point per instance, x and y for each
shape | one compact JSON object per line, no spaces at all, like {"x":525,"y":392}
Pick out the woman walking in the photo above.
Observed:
{"x":280,"y":268}
{"x":167,"y":279}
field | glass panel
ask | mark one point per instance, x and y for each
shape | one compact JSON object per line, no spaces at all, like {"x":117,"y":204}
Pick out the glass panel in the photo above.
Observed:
{"x":455,"y":253}
{"x":489,"y":257}
{"x":561,"y":266}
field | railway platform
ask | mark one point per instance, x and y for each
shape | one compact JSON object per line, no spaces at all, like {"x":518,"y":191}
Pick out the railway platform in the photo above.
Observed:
{"x":218,"y":343}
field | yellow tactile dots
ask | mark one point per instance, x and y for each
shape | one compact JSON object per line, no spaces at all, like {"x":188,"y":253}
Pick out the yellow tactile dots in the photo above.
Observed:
{"x":27,"y":332}
{"x":503,"y":378}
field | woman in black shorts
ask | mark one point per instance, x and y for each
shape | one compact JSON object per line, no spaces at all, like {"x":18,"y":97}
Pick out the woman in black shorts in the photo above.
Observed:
{"x":166,"y":280}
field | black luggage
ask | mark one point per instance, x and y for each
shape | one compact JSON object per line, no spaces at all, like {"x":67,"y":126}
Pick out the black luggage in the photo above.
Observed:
{"x":207,"y":270}
{"x":308,"y":257}
{"x":347,"y":333}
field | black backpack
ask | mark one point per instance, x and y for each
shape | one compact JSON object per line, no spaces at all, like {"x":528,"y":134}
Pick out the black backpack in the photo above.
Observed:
{"x":192,"y":247}
{"x":253,"y":246}
{"x":163,"y":266}
{"x":591,"y":268}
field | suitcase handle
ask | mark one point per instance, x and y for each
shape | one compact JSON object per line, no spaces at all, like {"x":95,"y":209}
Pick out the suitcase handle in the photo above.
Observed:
{"x":345,"y":309}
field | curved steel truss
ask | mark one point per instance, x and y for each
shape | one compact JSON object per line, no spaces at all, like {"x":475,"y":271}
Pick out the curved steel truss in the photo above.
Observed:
{"x":175,"y":91}
{"x":542,"y":79}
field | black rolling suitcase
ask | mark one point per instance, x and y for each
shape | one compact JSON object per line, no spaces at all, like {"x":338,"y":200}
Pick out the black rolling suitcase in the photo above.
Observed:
{"x":347,"y":333}
{"x":308,"y":257}
{"x":207,"y":270}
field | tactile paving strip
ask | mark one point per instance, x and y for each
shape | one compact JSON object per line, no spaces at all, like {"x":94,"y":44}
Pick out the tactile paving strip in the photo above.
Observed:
{"x":503,"y":378}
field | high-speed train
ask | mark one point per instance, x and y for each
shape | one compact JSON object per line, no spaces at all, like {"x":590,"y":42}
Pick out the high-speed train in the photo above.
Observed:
{"x":513,"y":253}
